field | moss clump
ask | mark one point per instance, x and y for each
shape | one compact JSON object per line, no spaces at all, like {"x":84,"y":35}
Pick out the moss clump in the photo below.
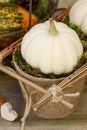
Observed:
{"x":36,"y":72}
{"x":81,"y":35}
{"x":28,"y":69}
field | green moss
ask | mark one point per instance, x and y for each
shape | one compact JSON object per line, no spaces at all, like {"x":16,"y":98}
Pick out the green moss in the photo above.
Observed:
{"x":81,"y":35}
{"x":28,"y":69}
{"x":36,"y":72}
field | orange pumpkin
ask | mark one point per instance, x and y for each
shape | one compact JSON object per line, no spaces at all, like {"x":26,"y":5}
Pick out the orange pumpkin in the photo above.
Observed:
{"x":26,"y":15}
{"x":14,"y":23}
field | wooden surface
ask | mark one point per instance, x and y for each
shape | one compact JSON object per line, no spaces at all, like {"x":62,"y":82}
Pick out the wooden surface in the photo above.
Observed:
{"x":10,"y":89}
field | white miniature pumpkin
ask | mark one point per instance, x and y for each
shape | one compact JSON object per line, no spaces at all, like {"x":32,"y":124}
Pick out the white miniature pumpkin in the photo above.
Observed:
{"x":52,"y":47}
{"x":78,"y":15}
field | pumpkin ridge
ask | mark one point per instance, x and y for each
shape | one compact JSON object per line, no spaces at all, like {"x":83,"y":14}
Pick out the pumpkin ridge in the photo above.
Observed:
{"x":46,"y":65}
{"x":68,"y":54}
{"x":31,"y":44}
{"x":76,"y":46}
{"x":29,"y":38}
{"x":59,"y":41}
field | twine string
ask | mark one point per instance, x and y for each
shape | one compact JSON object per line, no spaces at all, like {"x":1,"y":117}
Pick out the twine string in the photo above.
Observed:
{"x":58,"y":94}
{"x":1,"y":58}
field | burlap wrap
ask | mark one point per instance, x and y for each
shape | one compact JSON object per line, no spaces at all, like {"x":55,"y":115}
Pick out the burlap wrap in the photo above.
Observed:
{"x":51,"y":110}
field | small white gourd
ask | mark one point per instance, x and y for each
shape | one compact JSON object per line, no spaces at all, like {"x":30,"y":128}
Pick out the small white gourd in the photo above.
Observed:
{"x":52,"y":47}
{"x":78,"y":15}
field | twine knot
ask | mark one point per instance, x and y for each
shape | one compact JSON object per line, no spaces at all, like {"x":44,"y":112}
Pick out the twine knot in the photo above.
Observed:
{"x":58,"y":94}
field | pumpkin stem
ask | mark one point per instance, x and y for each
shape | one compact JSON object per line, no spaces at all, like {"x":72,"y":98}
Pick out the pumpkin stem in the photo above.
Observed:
{"x":53,"y":30}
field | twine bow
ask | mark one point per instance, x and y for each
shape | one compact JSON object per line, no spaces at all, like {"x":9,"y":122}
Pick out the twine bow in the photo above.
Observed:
{"x":58,"y":94}
{"x":56,"y":91}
